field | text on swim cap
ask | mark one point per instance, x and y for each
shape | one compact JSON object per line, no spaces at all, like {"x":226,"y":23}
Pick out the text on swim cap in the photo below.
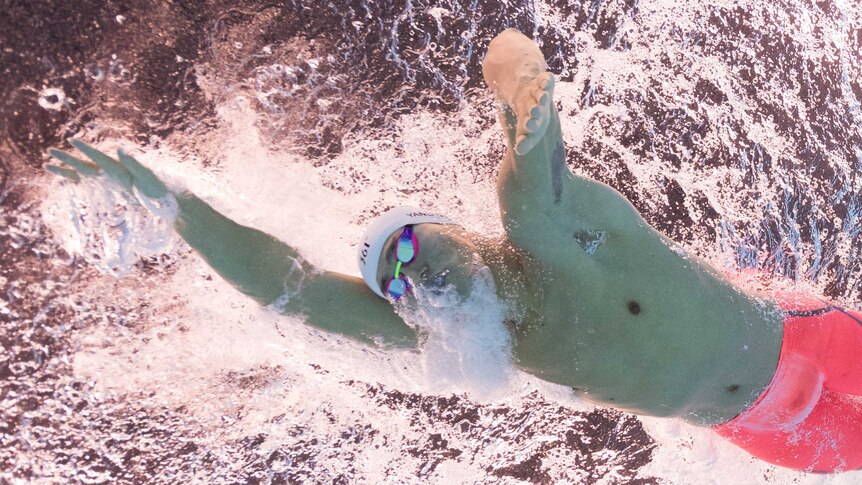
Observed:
{"x":364,"y":253}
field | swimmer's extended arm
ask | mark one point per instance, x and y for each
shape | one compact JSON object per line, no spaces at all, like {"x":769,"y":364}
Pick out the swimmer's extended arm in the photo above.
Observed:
{"x":542,"y":179}
{"x":256,"y":263}
{"x":267,"y":269}
{"x":536,"y":189}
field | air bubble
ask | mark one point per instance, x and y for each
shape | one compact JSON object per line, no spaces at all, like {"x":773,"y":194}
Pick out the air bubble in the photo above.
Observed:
{"x":52,"y":98}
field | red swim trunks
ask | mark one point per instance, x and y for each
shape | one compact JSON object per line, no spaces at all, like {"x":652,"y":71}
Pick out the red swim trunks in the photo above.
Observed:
{"x":810,"y":415}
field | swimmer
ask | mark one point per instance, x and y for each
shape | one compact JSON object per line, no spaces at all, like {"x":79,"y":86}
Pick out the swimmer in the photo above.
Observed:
{"x":606,"y":304}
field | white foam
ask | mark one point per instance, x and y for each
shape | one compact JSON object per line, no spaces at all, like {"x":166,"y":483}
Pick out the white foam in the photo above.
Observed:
{"x":107,"y":226}
{"x":466,"y":346}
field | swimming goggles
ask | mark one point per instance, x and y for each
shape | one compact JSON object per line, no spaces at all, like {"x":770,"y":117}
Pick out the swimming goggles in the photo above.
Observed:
{"x":405,"y":253}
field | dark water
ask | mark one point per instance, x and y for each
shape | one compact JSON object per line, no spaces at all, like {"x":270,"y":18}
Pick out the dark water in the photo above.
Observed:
{"x":734,"y":127}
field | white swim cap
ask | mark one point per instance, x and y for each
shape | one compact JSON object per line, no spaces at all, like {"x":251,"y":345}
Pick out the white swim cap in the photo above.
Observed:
{"x":377,"y":233}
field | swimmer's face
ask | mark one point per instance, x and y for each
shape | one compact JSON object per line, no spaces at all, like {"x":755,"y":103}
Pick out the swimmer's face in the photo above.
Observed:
{"x":446,"y":256}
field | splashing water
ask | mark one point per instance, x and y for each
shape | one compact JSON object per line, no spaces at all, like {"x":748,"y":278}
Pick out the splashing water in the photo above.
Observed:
{"x":465,"y":343}
{"x":112,"y":229}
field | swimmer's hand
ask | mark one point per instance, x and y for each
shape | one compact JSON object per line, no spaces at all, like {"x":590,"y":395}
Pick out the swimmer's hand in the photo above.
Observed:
{"x":124,"y":170}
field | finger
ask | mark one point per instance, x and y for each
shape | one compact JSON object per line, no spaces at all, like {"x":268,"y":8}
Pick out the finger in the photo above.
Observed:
{"x":526,"y":143}
{"x":64,"y":172}
{"x":537,"y":111}
{"x":144,"y":179}
{"x":542,"y":97}
{"x":81,"y":166}
{"x":522,"y":145}
{"x":544,"y":89}
{"x":529,"y":121}
{"x":111,"y":167}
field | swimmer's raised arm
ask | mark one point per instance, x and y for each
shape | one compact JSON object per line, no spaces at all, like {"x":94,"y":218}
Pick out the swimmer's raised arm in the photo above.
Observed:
{"x":256,"y":263}
{"x":535,"y":182}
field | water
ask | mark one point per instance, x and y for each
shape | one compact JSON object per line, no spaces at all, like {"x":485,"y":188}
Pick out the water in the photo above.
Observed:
{"x":733,"y":126}
{"x":465,"y":345}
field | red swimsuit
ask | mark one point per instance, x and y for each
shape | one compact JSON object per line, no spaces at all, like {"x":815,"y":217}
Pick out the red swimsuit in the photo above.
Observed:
{"x":810,"y":415}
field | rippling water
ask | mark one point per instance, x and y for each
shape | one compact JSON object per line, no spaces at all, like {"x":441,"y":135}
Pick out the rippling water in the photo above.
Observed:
{"x":733,"y":126}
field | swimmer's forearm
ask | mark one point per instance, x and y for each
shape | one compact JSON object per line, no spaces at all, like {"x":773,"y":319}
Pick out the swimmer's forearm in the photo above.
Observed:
{"x":344,"y":305}
{"x":546,"y":181}
{"x":254,"y":262}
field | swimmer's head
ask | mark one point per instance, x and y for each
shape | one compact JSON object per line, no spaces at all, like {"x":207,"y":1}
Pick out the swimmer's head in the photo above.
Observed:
{"x":444,"y":258}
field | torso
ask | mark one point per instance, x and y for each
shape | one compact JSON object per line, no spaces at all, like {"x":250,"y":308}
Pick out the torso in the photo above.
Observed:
{"x":645,"y":329}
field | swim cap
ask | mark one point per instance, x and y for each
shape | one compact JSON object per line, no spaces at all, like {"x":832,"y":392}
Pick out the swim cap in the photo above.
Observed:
{"x":377,"y":233}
